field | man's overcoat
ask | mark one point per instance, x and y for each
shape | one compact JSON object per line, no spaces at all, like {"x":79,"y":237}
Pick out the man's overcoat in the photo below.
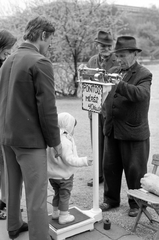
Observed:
{"x":127,"y":105}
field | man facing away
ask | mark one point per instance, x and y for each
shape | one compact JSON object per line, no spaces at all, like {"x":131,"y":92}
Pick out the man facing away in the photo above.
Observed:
{"x":28,"y":125}
{"x":105,"y":59}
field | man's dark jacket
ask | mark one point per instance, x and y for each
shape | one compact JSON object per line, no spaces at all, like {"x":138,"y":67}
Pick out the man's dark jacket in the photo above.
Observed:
{"x":28,"y":114}
{"x":127,"y":105}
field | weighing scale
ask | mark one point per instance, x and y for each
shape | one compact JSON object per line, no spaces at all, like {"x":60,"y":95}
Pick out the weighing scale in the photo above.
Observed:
{"x":93,"y":95}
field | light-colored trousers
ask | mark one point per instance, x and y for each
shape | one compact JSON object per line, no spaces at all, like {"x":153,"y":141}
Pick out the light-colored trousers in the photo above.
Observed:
{"x":30,"y":166}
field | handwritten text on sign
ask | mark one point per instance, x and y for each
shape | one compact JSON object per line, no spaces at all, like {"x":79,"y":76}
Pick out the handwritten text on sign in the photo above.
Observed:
{"x":92,"y":97}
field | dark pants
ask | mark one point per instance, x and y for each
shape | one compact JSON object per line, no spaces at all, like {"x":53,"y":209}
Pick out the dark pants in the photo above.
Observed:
{"x":101,"y":142}
{"x":62,"y":188}
{"x":119,"y":155}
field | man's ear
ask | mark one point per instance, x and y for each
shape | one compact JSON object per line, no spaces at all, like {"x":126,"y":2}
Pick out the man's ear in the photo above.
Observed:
{"x":136,"y":53}
{"x":96,"y":45}
{"x":43,"y":36}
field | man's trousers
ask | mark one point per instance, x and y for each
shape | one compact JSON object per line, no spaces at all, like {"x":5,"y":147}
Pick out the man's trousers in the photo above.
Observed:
{"x":119,"y":155}
{"x":30,"y":166}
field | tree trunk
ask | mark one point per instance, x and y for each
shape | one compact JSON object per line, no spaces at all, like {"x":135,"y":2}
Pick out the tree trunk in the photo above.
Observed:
{"x":75,"y":78}
{"x":75,"y":84}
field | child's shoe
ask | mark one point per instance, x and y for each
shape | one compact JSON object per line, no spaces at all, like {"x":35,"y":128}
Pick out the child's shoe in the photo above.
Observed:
{"x":66,"y":218}
{"x":55,"y":214}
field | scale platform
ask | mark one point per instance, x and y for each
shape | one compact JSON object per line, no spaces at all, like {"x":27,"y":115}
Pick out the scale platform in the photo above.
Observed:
{"x":82,"y":223}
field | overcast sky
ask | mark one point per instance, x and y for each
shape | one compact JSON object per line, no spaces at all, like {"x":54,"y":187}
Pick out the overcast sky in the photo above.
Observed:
{"x":6,"y":6}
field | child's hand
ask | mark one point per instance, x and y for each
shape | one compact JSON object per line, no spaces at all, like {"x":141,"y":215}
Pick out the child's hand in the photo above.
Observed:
{"x":58,"y":150}
{"x":90,"y":162}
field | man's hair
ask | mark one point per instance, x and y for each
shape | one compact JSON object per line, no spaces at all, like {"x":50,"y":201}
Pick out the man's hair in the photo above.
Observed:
{"x":7,"y":40}
{"x":36,"y":26}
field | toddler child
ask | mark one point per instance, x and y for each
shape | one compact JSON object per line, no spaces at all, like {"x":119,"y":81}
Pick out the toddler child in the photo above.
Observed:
{"x":61,"y":169}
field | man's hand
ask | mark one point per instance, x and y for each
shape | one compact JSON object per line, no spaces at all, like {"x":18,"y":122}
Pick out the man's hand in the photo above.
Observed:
{"x":115,"y":81}
{"x":58,"y":150}
{"x":81,"y":66}
{"x":116,"y":78}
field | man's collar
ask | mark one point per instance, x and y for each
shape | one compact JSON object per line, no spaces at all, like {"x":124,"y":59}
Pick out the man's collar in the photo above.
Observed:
{"x":103,"y":58}
{"x":131,"y":68}
{"x":29,"y":46}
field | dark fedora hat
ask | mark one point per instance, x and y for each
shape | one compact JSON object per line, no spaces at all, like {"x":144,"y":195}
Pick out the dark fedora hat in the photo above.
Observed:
{"x":104,"y":38}
{"x":126,"y":43}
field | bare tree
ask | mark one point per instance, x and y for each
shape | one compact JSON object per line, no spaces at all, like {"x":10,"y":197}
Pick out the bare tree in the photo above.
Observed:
{"x":77,"y":23}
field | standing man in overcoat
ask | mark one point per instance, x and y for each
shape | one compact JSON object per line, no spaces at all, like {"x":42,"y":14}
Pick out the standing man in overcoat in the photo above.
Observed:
{"x":126,"y":127}
{"x":105,"y":59}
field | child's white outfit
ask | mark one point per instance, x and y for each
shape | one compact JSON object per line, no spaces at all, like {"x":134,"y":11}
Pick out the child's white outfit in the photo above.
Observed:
{"x":61,"y":170}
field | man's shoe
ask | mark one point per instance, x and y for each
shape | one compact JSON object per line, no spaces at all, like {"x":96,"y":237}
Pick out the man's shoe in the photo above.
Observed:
{"x":2,"y":205}
{"x":133,"y":212}
{"x":106,"y":207}
{"x":90,"y":182}
{"x":15,"y":233}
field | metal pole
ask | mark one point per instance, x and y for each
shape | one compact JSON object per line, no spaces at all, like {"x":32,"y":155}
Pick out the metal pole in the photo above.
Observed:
{"x":95,"y":138}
